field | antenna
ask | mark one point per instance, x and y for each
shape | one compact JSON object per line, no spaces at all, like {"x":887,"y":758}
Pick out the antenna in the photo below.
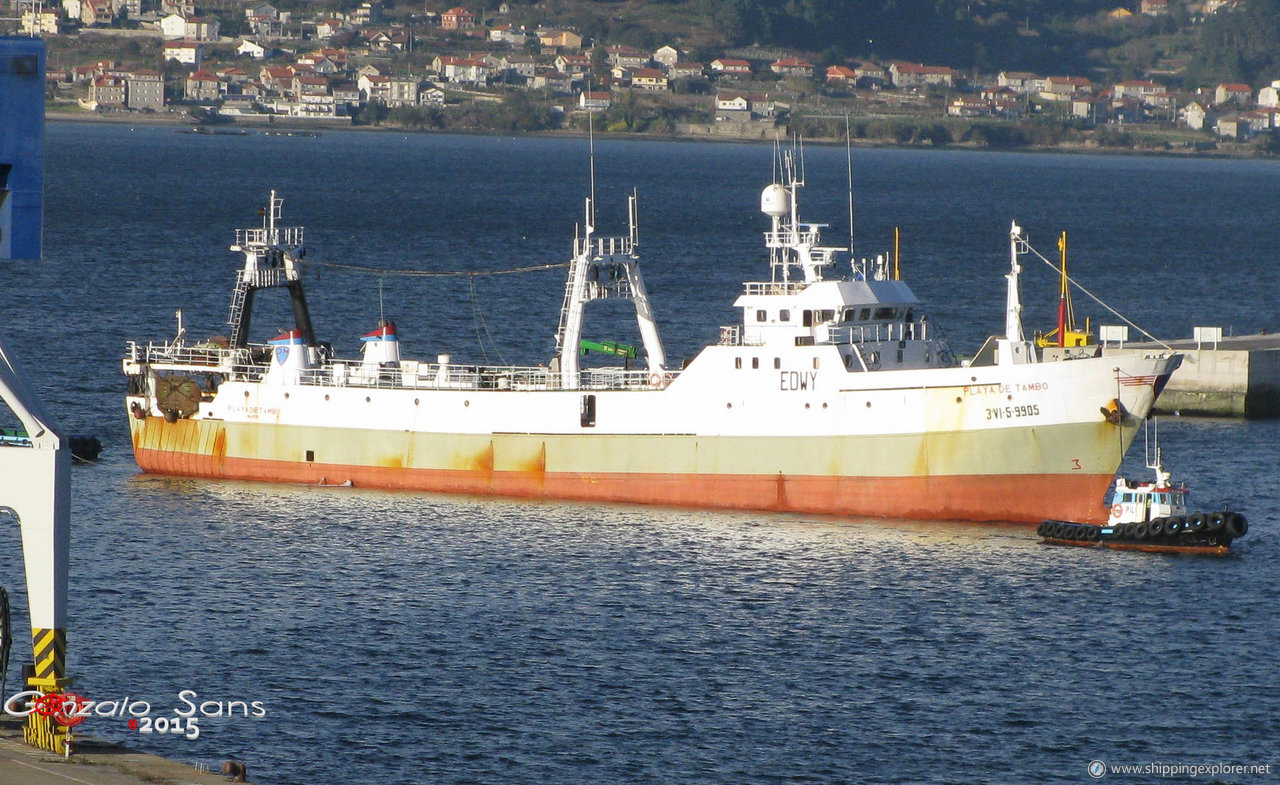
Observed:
{"x":848,"y":156}
{"x":591,"y":144}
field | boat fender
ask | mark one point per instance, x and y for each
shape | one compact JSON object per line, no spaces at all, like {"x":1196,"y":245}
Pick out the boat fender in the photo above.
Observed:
{"x":1054,"y":530}
{"x":1141,"y":530}
{"x":1215,"y":522}
{"x":1092,"y":533}
{"x":1196,"y":523}
{"x":1042,"y":529}
{"x":655,"y":380}
{"x":1174,"y":525}
{"x":1236,"y":525}
{"x":1156,"y":527}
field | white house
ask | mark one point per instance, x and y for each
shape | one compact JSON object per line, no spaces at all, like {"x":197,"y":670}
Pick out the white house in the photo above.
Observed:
{"x":185,"y":52}
{"x":173,"y":27}
{"x":594,"y":101}
{"x":254,"y":50}
{"x":666,"y":56}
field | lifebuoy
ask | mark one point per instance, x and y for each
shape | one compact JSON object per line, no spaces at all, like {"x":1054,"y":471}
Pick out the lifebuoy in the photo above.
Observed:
{"x":1116,"y":510}
{"x":655,"y":380}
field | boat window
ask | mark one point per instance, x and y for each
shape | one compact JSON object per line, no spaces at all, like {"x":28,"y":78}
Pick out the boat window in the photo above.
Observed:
{"x":737,"y":362}
{"x":784,"y":315}
{"x":815,"y":363}
{"x":850,"y":314}
{"x":825,"y":315}
{"x":911,"y":316}
{"x":762,"y":315}
{"x":777,"y":363}
{"x":885,"y":313}
{"x":864,"y":314}
{"x":806,"y":318}
{"x":588,"y":411}
{"x":755,"y":362}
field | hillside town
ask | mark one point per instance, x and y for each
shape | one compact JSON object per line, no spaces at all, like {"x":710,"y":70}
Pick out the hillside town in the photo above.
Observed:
{"x":257,"y":63}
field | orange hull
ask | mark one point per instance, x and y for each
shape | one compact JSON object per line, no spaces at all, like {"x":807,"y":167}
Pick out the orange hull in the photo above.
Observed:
{"x":1008,"y":497}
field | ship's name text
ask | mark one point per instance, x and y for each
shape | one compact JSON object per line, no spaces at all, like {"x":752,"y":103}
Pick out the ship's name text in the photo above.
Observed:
{"x":996,"y":389}
{"x":254,"y":412}
{"x":798,"y":380}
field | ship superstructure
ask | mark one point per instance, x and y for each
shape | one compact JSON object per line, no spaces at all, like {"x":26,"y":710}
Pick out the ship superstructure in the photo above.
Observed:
{"x":834,"y":394}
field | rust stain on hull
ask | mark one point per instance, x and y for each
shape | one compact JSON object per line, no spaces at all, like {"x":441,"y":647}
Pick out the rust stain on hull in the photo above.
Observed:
{"x":1016,"y":498}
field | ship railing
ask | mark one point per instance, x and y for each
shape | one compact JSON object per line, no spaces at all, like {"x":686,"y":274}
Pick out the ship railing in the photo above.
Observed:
{"x":879,"y":333}
{"x":734,"y":335}
{"x":281,"y":235}
{"x":785,"y":238}
{"x":414,"y":375}
{"x":247,"y":364}
{"x":606,"y":246}
{"x":624,"y":379}
{"x":202,"y":356}
{"x":269,"y":277}
{"x":773,"y":287}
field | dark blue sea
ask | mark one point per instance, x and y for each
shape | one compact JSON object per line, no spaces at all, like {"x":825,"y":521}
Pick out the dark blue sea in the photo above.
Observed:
{"x":409,"y":638}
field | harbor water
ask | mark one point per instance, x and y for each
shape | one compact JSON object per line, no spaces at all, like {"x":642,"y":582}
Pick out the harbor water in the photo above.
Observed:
{"x":415,"y":638}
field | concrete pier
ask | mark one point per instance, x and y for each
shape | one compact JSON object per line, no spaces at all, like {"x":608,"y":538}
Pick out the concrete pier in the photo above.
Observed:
{"x":1240,"y":377}
{"x":93,"y":762}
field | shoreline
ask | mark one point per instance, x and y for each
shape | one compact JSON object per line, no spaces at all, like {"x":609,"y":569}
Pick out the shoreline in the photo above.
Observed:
{"x":283,"y":123}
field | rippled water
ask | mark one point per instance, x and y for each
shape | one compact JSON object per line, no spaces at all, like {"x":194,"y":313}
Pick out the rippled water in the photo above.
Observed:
{"x":406,"y":638}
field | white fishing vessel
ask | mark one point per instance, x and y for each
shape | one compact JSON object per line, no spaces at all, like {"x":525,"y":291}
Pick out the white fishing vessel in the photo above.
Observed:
{"x":834,"y":394}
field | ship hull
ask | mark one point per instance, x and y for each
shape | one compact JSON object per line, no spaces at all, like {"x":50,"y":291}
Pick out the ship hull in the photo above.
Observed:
{"x":921,"y":476}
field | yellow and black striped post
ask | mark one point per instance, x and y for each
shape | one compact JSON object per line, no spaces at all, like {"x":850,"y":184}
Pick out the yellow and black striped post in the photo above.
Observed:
{"x":49,"y":677}
{"x":50,"y":648}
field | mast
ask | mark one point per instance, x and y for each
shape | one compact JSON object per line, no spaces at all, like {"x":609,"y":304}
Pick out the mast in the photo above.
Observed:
{"x":1013,"y":299}
{"x":1062,"y":293}
{"x":271,"y":256}
{"x":790,"y":241}
{"x":604,"y":267}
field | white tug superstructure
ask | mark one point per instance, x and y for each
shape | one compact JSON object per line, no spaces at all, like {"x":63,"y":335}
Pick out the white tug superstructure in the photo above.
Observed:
{"x":833,"y":395}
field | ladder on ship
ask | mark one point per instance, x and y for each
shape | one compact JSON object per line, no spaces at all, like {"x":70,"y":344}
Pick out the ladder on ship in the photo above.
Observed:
{"x":238,"y":296}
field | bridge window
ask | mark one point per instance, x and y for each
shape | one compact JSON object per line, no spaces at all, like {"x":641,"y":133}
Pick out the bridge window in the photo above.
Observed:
{"x":864,"y":314}
{"x":885,"y":313}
